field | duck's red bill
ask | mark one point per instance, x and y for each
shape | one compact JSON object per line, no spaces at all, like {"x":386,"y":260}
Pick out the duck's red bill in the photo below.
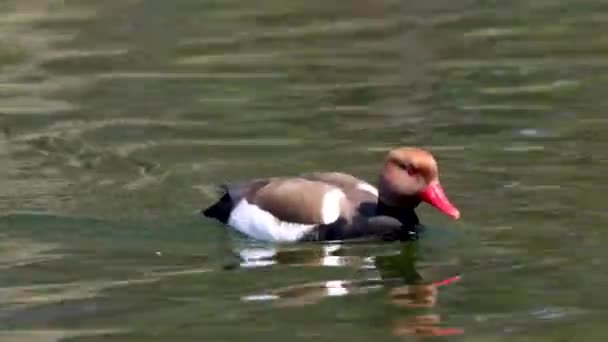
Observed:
{"x":434,"y":195}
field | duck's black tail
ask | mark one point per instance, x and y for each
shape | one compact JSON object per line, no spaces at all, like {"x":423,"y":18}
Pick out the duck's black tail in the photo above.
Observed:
{"x":221,"y":209}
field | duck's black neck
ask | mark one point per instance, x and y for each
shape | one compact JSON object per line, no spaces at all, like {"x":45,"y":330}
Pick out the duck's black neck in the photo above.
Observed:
{"x":405,"y":215}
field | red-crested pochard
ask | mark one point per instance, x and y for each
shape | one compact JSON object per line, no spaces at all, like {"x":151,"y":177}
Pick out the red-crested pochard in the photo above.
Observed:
{"x":335,"y":206}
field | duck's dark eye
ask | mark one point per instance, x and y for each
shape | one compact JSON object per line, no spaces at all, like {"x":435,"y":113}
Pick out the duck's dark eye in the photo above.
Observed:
{"x":407,"y":168}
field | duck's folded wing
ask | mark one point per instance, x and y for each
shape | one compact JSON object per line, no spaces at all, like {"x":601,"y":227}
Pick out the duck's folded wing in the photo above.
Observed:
{"x":299,"y":200}
{"x":348,"y":183}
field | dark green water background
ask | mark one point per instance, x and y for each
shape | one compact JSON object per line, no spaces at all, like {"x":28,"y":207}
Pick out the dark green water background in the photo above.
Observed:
{"x":118,"y":118}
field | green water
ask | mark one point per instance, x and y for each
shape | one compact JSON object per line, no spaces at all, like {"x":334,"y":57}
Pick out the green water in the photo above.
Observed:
{"x":119,"y":117}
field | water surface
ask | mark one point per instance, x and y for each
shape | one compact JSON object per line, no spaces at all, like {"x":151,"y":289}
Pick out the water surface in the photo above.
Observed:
{"x":119,"y":118}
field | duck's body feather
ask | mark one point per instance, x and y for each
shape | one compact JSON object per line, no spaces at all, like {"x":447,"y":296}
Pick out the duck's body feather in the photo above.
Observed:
{"x":317,"y":206}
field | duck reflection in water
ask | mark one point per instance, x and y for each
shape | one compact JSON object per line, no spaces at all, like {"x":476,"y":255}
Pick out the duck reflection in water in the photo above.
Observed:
{"x":420,"y":296}
{"x":395,"y":273}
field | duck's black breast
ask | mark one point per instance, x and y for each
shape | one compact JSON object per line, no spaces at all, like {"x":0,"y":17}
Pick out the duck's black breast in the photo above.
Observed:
{"x":372,"y":219}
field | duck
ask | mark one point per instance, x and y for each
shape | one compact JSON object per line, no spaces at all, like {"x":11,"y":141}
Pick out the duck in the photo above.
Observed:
{"x":335,"y":206}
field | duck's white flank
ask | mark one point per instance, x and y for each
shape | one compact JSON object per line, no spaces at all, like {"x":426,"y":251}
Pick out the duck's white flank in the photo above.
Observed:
{"x":330,"y":210}
{"x":259,"y":224}
{"x":368,"y":187}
